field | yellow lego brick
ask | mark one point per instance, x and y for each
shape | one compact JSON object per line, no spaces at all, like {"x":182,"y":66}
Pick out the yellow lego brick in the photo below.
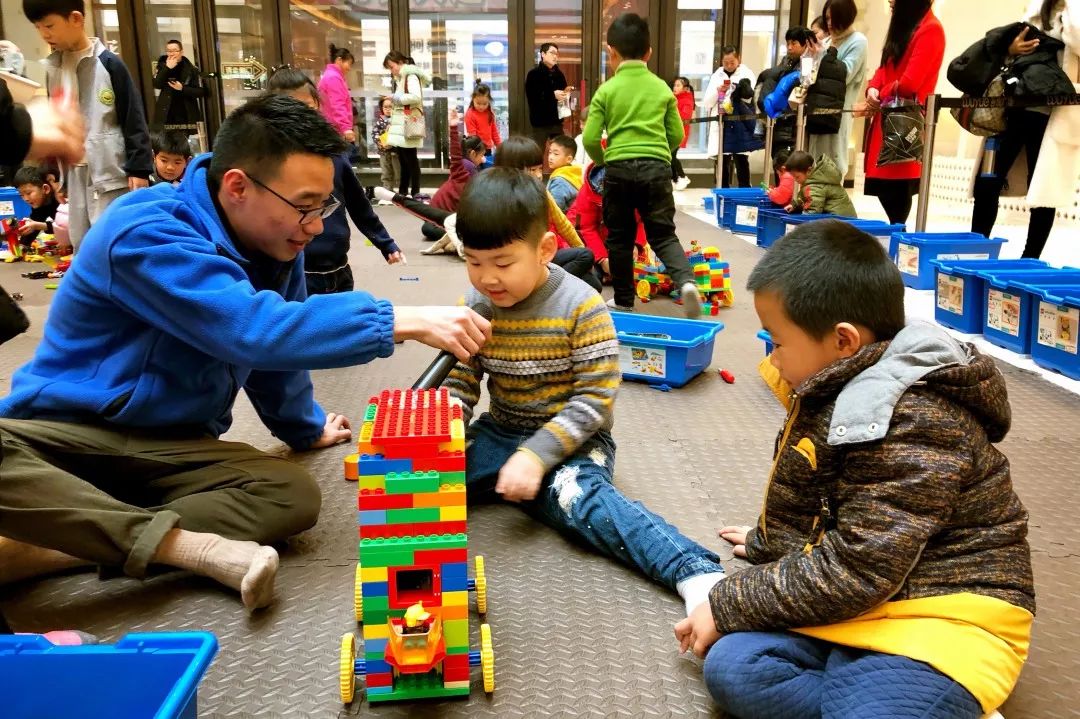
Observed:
{"x":372,"y":481}
{"x":376,"y":631}
{"x":455,"y":599}
{"x":352,"y":467}
{"x":373,"y":574}
{"x":457,"y":429}
{"x":366,"y":431}
{"x":456,"y":685}
{"x":452,"y":514}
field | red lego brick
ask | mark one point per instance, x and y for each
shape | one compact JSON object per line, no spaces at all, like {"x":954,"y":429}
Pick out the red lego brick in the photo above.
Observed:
{"x":456,"y":661}
{"x":455,"y":674}
{"x":440,"y":556}
{"x":441,"y":462}
{"x":379,"y":499}
{"x":380,"y":680}
{"x":414,"y":529}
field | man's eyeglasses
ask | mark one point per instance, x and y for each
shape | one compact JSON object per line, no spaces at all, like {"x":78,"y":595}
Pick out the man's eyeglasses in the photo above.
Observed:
{"x":306,"y":215}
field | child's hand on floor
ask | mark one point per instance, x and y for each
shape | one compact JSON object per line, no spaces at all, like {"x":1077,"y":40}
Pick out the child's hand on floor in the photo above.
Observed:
{"x":737,"y":536}
{"x":520,"y":477}
{"x":336,"y":430}
{"x":697,"y":632}
{"x":395,"y":257}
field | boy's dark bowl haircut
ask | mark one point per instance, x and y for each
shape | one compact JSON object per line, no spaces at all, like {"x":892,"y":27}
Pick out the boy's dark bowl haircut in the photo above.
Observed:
{"x":171,"y":142}
{"x":799,"y":161}
{"x":28,"y":175}
{"x":519,"y":153}
{"x":629,"y":35}
{"x":565,"y":142}
{"x":827,"y":272}
{"x":499,"y":206}
{"x":38,"y":10}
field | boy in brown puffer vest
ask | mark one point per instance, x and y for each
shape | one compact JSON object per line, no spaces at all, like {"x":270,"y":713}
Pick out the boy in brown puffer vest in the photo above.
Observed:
{"x":892,"y":574}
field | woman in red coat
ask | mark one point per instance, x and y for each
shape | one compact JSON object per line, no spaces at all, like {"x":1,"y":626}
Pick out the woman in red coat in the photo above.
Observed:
{"x":910,"y":64}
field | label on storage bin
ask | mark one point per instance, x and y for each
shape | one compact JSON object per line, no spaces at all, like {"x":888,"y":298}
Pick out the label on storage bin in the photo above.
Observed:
{"x":788,"y":229}
{"x":1003,"y":312}
{"x":1058,"y":326}
{"x":907,"y":259}
{"x":950,"y":293}
{"x":970,"y":256}
{"x":746,"y":215}
{"x":648,"y":361}
{"x":7,"y":208}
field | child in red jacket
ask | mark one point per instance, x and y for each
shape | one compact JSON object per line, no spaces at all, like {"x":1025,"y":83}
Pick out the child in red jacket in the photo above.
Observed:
{"x":784,"y":193}
{"x":684,"y":98}
{"x":480,"y":121}
{"x":587,"y":215}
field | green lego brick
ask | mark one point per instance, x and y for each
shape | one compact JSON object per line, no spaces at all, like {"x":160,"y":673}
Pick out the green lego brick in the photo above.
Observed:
{"x":458,"y":650}
{"x":451,"y":478}
{"x":372,"y":616}
{"x":376,"y":548}
{"x":370,"y":413}
{"x":456,"y":632}
{"x":385,"y":555}
{"x":412,"y":482}
{"x":375,"y":604}
{"x":418,"y":686}
{"x":376,"y":656}
{"x":372,"y":481}
{"x":409,"y":516}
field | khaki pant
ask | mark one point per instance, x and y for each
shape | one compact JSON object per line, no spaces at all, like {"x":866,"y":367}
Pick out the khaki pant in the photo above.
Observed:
{"x":85,"y":204}
{"x":110,"y":496}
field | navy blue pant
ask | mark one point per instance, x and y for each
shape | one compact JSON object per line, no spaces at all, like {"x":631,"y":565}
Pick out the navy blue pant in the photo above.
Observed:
{"x":778,"y":675}
{"x":578,"y":499}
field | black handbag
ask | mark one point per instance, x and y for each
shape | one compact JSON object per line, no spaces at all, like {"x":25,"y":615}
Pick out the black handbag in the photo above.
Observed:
{"x":902,"y":126}
{"x":13,"y":321}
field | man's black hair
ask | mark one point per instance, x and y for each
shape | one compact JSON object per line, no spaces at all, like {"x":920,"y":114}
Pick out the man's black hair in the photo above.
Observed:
{"x":259,"y":135}
{"x":29,"y":175}
{"x":518,"y":152}
{"x":499,"y":206}
{"x":827,"y":272}
{"x":171,"y":142}
{"x":565,"y":142}
{"x":38,"y":10}
{"x":799,"y":161}
{"x":547,"y":46}
{"x":800,"y":34}
{"x":288,"y":79}
{"x":729,"y":50}
{"x":629,"y":35}
{"x":176,"y":42}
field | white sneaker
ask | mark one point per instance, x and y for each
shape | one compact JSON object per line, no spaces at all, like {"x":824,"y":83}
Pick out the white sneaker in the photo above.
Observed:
{"x":385,"y":203}
{"x":618,"y":308}
{"x":385,"y":196}
{"x":691,"y":300}
{"x":682,"y":183}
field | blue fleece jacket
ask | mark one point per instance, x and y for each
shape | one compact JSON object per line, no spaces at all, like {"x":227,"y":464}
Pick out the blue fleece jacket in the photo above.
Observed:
{"x":329,"y":250}
{"x":161,"y":320}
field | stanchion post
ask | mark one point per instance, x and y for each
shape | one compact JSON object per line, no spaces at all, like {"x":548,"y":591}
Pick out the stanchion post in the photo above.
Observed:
{"x":768,"y":174}
{"x":200,"y":130}
{"x":720,"y":148}
{"x":927,"y":162}
{"x":800,"y":127}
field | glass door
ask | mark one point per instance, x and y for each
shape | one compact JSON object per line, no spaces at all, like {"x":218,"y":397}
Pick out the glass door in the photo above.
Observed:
{"x":612,"y":9}
{"x":559,"y":21}
{"x":169,"y":20}
{"x":699,"y":46}
{"x":245,"y":39}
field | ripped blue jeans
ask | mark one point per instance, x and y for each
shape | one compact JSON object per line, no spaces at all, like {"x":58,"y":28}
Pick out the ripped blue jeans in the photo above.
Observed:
{"x":578,"y":499}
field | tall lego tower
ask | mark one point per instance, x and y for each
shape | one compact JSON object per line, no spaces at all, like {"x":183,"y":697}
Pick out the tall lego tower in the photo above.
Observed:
{"x":412,"y":580}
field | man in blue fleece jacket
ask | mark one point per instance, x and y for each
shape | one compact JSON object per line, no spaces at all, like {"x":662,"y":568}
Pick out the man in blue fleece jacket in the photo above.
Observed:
{"x":180,"y":297}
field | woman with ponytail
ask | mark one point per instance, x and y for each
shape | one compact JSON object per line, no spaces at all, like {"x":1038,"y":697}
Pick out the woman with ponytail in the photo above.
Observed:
{"x":334,"y":90}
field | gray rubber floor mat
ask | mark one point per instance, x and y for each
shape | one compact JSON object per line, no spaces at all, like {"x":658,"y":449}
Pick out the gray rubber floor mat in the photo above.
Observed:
{"x":574,"y":634}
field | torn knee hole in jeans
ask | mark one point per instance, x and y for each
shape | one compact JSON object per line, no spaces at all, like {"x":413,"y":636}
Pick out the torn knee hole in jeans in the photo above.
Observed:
{"x":566,"y":487}
{"x":598,"y":457}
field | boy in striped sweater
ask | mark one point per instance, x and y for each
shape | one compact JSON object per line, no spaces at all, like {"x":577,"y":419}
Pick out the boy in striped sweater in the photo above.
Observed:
{"x":553,"y":372}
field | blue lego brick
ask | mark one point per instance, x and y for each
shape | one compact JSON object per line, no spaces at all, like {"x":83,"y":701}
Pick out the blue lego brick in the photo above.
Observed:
{"x":376,"y":691}
{"x":372,"y":517}
{"x":377,"y":666}
{"x":372,"y":646}
{"x":455,"y":577}
{"x":377,"y":464}
{"x":375,"y":589}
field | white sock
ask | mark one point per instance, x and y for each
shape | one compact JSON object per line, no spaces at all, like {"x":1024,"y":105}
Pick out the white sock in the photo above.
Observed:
{"x":382,"y":193}
{"x":695,"y":590}
{"x":691,"y":300}
{"x":247,"y":567}
{"x":450,"y":225}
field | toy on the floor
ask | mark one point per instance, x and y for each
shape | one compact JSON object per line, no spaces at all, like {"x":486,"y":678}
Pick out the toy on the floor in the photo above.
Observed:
{"x":44,"y":248}
{"x":711,"y":273}
{"x":412,"y":584}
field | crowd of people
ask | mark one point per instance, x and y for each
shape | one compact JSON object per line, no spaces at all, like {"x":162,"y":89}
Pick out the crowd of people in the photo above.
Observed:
{"x":890,"y":562}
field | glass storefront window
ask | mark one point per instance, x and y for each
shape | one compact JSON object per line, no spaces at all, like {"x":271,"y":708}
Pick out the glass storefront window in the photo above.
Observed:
{"x":245,"y":33}
{"x":459,"y":44}
{"x":106,"y":24}
{"x":559,"y":21}
{"x":366,"y":33}
{"x":611,"y":10}
{"x":759,"y":42}
{"x":698,"y":49}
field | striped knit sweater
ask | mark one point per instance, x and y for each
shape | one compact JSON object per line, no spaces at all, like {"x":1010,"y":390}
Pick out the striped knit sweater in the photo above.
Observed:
{"x":552,"y":364}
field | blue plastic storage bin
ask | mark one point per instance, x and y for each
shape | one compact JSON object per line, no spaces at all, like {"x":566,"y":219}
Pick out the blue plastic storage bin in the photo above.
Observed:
{"x":765,"y":337}
{"x":152,"y":676}
{"x":960,"y":293}
{"x":12,"y":205}
{"x":1010,"y":308}
{"x":663,"y":350}
{"x":777,"y":223}
{"x":708,"y":203}
{"x":1055,"y":329}
{"x":737,"y":208}
{"x":913,"y":251}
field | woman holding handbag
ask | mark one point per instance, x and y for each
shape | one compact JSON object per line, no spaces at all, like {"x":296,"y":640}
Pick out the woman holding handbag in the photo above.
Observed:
{"x":910,"y":64}
{"x":407,"y":124}
{"x":1050,"y":138}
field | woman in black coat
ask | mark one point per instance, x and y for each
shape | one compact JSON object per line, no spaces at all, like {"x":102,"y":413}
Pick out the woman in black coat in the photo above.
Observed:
{"x":181,"y":87}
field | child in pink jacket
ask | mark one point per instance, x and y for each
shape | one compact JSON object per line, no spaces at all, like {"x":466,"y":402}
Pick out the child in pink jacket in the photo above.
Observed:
{"x":334,"y":90}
